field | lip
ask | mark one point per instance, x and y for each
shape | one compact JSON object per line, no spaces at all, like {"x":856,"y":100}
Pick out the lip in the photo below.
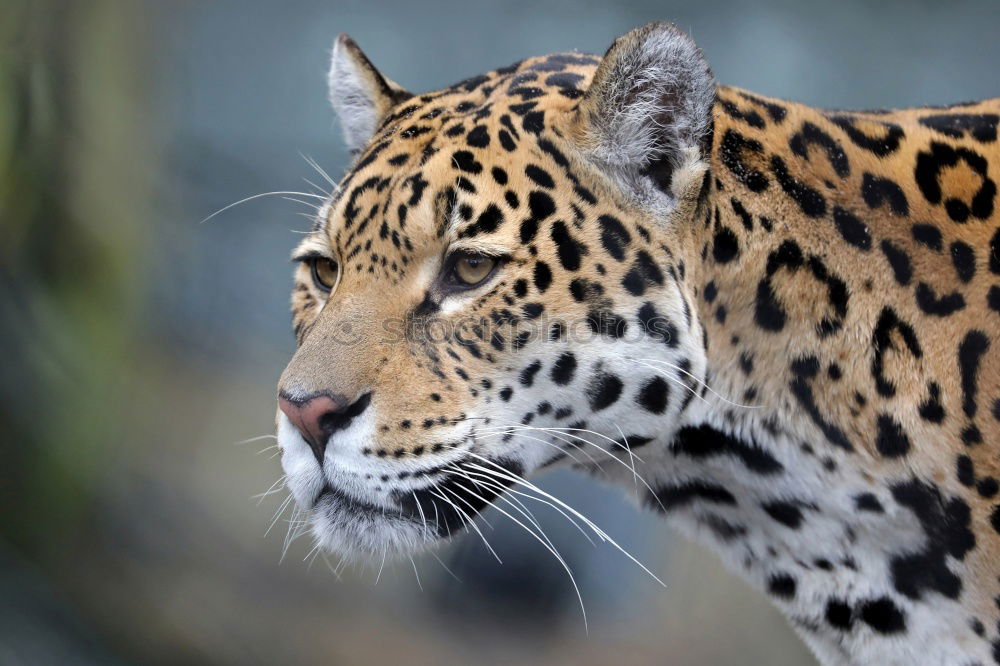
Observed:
{"x":441,"y":509}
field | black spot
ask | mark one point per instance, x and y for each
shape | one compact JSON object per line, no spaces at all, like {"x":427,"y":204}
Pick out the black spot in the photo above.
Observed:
{"x":970,"y":352}
{"x":964,"y":470}
{"x":782,"y":586}
{"x":505,"y":393}
{"x":521,"y":288}
{"x":868,"y":502}
{"x":653,"y":395}
{"x":614,"y":237}
{"x":964,"y":260}
{"x":891,"y":440}
{"x":532,"y":310}
{"x":899,"y":261}
{"x":643,"y":272}
{"x":487,"y":222}
{"x":533,"y":122}
{"x":670,"y":497}
{"x":943,"y":306}
{"x":805,"y":369}
{"x":657,"y":326}
{"x":743,"y":214}
{"x":877,"y":191}
{"x":882,"y":341}
{"x":787,"y":513}
{"x":725,"y":246}
{"x":993,"y":298}
{"x":931,"y":409}
{"x":942,"y":156}
{"x":732,"y":151}
{"x":946,"y":523}
{"x":769,"y":313}
{"x":883,"y":616}
{"x":987,"y":487}
{"x":568,"y":248}
{"x":929,"y":235}
{"x":541,"y":206}
{"x":775,"y":111}
{"x":478,"y":137}
{"x":527,"y":376}
{"x":466,"y":161}
{"x":838,"y":614}
{"x":981,"y":126}
{"x":722,"y":528}
{"x":852,"y":229}
{"x":879,"y":145}
{"x":704,"y":441}
{"x":564,"y":369}
{"x":809,"y":200}
{"x":603,"y":390}
{"x":711,"y":291}
{"x":506,"y":141}
{"x":539,"y":176}
{"x":751,"y":117}
{"x":812,"y":135}
{"x":543,"y":276}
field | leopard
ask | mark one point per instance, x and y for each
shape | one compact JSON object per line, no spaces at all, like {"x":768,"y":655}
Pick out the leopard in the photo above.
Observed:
{"x":776,"y":325}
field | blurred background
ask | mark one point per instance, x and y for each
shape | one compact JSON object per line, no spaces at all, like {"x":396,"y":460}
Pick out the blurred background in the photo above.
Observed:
{"x":141,"y":346}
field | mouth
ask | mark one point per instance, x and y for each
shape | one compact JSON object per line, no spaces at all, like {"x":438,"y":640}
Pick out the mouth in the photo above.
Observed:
{"x":411,"y":519}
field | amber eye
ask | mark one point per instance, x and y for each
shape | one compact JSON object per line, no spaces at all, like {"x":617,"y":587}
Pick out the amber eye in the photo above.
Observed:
{"x":324,"y":273}
{"x":470,"y":269}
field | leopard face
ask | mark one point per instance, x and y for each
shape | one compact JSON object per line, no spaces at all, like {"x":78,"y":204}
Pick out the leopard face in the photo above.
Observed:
{"x":493,"y":288}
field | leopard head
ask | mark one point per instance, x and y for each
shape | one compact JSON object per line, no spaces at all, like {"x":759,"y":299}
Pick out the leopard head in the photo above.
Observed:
{"x":497,"y":285}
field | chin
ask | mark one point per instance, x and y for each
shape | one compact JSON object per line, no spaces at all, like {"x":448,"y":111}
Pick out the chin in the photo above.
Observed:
{"x":350,"y":516}
{"x":342,"y":525}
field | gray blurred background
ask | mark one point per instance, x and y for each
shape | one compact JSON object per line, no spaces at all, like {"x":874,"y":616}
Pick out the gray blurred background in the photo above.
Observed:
{"x":140,"y":346}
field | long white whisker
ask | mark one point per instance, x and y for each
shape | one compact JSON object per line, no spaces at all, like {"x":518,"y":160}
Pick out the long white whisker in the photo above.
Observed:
{"x":541,"y":500}
{"x":254,"y":439}
{"x":469,"y":522}
{"x":381,"y":566}
{"x":586,"y":521}
{"x":698,"y":380}
{"x":415,"y":573}
{"x":544,"y":540}
{"x":315,"y":165}
{"x":259,"y":196}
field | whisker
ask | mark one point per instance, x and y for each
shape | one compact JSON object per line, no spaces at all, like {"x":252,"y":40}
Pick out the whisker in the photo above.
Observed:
{"x":415,"y":573}
{"x":385,"y":550}
{"x":520,"y":480}
{"x":254,"y":439}
{"x":445,"y":566}
{"x":700,"y":382}
{"x":469,"y":522}
{"x":259,"y":196}
{"x":547,"y":543}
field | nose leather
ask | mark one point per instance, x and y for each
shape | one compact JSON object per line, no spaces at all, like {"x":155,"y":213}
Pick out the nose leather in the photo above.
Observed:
{"x":307,"y":416}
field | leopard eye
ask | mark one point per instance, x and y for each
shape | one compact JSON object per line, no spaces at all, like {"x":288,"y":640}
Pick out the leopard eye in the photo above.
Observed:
{"x":470,"y":269}
{"x":324,"y":273}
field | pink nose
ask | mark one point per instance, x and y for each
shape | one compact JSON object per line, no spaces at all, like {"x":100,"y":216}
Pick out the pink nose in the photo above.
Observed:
{"x":314,"y":418}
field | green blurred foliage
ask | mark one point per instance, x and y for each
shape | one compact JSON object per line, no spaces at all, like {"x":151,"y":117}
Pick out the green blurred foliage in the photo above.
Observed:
{"x":71,"y":212}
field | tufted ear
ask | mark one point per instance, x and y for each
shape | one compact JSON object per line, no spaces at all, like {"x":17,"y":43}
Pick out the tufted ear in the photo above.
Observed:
{"x":359,"y":94}
{"x":648,"y":110}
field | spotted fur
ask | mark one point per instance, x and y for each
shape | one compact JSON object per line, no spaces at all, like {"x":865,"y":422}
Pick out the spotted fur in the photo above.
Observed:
{"x":785,"y":320}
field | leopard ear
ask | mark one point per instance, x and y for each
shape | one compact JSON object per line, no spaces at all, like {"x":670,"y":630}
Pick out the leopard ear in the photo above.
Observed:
{"x":646,"y":115}
{"x":359,"y":94}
